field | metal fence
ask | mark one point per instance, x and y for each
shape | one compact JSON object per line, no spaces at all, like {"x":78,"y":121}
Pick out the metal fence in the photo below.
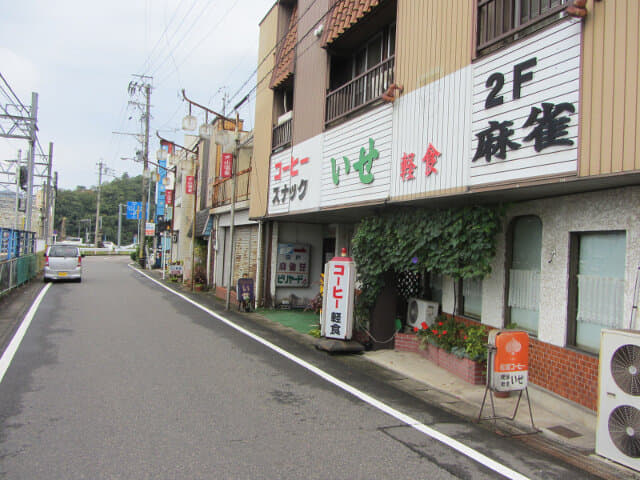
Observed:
{"x":18,"y":259}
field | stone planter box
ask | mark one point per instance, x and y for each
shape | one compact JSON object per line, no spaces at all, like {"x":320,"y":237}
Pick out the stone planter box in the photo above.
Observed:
{"x":464,"y":368}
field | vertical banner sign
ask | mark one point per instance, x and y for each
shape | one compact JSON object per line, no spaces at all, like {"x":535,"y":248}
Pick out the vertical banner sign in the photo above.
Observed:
{"x":226,"y":165}
{"x":339,"y":288}
{"x":168,"y":197}
{"x":509,"y":361}
{"x":190,"y":184}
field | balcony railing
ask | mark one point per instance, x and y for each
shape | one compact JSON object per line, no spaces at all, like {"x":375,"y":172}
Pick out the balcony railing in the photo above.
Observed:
{"x":503,"y":20}
{"x":281,"y":136}
{"x":222,"y":189}
{"x":359,"y":92}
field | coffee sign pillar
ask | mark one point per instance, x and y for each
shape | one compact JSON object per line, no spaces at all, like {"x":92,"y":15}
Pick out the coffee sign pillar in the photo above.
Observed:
{"x":339,"y":288}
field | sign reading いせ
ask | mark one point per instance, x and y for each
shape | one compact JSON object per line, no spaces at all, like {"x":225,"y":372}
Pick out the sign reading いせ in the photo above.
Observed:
{"x":339,"y":288}
{"x":508,"y":361}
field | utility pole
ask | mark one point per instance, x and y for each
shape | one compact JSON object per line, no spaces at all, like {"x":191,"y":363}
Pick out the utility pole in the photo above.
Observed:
{"x":53,"y":202}
{"x":119,"y":222}
{"x":18,"y":164}
{"x":32,"y":151}
{"x":48,"y":218}
{"x":145,"y":87}
{"x":97,"y":231}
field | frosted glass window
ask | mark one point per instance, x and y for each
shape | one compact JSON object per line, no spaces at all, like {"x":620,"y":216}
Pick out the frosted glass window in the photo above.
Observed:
{"x":600,"y":285}
{"x":472,"y":297}
{"x":524,"y":274}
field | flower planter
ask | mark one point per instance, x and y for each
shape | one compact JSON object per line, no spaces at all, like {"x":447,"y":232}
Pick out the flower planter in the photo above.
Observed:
{"x":468,"y":370}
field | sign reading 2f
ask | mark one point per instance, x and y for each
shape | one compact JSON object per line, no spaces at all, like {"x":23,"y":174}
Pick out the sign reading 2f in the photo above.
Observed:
{"x":521,"y":73}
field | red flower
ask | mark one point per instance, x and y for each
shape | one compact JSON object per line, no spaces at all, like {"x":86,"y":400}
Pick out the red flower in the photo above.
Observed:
{"x":434,"y":331}
{"x":439,"y":324}
{"x":466,"y":337}
{"x":415,"y":329}
{"x":424,"y":325}
{"x":444,"y":332}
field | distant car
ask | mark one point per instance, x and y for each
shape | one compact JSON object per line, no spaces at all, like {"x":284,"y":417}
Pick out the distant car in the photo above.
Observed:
{"x":131,"y":246}
{"x":109,"y":245}
{"x":63,"y":262}
{"x":72,"y":241}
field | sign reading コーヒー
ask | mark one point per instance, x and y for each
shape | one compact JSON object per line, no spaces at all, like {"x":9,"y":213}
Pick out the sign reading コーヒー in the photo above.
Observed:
{"x":508,"y":360}
{"x":337,"y":308}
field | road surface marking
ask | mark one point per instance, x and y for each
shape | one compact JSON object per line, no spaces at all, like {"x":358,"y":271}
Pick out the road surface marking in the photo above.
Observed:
{"x":11,"y":350}
{"x":410,"y":421}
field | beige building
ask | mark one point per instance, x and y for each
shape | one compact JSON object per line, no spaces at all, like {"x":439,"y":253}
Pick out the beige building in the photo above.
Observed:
{"x":370,"y":107}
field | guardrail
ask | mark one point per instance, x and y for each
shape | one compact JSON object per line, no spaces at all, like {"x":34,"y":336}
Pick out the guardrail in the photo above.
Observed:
{"x":18,"y":259}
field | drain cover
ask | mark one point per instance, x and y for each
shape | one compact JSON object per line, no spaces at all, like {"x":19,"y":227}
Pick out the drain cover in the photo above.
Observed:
{"x":564,"y":431}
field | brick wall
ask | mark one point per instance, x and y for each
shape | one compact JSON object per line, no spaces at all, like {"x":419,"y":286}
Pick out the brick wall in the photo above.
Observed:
{"x":568,"y":373}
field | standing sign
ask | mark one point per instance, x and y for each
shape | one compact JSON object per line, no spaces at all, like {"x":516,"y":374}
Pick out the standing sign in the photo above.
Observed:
{"x":293,"y":265}
{"x":150,"y":229}
{"x":339,"y":288}
{"x":226,"y":165}
{"x":508,"y":360}
{"x":190,"y":184}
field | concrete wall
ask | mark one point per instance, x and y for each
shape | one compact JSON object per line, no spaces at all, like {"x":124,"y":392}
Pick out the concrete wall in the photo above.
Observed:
{"x":615,"y":209}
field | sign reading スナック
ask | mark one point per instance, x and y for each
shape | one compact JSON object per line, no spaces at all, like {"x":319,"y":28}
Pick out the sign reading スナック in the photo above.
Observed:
{"x":509,"y":362}
{"x":337,"y":308}
{"x":293,"y":265}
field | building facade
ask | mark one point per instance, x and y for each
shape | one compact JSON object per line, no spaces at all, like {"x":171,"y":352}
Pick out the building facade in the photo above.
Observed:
{"x":367,"y":107}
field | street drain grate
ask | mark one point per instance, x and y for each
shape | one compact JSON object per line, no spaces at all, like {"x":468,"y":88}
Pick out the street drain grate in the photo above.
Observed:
{"x":564,"y":431}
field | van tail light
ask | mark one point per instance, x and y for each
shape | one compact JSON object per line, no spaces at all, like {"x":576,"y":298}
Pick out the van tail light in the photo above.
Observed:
{"x":46,"y":261}
{"x":80,"y":261}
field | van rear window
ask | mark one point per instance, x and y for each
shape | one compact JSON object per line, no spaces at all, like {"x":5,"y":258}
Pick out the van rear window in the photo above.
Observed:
{"x":63,"y":251}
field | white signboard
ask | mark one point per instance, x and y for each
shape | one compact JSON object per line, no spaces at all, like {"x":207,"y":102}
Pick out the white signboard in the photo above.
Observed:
{"x":293,"y":265}
{"x":294,"y":182}
{"x":339,"y":288}
{"x":525,"y":108}
{"x":357,"y":159}
{"x":432,"y":137}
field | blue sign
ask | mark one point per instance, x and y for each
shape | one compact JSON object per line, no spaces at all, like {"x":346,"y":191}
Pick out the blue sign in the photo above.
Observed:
{"x":134,"y":211}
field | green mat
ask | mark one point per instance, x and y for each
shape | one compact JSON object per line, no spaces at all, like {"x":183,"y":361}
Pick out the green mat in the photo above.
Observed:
{"x":296,"y":319}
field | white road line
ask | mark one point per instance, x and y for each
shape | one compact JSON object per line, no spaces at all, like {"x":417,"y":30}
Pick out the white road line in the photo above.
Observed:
{"x":11,"y":350}
{"x":450,"y":442}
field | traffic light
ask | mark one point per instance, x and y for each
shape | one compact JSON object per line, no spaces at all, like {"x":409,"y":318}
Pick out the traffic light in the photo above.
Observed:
{"x":24,"y":178}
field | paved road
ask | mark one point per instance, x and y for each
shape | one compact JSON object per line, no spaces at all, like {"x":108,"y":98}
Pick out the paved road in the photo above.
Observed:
{"x":118,"y":378}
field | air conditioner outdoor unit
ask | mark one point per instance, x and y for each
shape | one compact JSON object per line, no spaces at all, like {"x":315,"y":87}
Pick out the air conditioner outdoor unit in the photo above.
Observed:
{"x":618,"y":429}
{"x":419,"y":311}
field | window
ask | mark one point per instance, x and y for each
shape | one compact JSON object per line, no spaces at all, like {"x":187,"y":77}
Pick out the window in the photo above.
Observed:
{"x":524,"y":273}
{"x":503,"y":21}
{"x":596,"y":295}
{"x":361,"y":77}
{"x":472,"y":297}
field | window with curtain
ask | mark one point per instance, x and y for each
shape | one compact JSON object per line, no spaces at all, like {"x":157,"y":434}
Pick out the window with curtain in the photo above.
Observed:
{"x":598,"y":283}
{"x":472,"y":297}
{"x":524,"y":273}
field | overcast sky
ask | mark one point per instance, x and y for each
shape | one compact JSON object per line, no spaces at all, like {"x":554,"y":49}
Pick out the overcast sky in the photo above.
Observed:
{"x":80,"y":55}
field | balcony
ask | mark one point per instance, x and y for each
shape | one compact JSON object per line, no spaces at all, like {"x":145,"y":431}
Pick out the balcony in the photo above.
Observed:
{"x":503,"y":21}
{"x":363,"y":90}
{"x":281,"y":135}
{"x":222,"y":189}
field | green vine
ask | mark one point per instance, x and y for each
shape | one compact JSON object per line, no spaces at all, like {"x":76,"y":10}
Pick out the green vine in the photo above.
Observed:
{"x":459,"y":242}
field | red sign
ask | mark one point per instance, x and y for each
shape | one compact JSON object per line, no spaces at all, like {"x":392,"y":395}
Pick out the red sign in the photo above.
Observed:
{"x":510,"y":363}
{"x":189,"y":186}
{"x":168,"y":197}
{"x":226,"y":165}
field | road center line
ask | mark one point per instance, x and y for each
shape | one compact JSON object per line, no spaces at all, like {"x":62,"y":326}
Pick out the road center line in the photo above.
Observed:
{"x":406,"y":419}
{"x":11,"y":350}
